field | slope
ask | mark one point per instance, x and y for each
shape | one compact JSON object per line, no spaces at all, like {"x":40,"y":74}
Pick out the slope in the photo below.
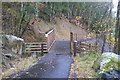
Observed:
{"x":62,"y":28}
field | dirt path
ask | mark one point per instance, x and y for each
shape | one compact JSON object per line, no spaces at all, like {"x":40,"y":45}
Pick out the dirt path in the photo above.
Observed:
{"x":55,"y":65}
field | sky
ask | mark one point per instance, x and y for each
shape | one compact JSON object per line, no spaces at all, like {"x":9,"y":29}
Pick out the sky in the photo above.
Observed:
{"x":114,"y":10}
{"x":115,"y":3}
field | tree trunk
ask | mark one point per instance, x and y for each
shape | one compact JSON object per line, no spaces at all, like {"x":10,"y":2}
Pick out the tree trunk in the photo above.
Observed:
{"x":50,"y":16}
{"x":103,"y":43}
{"x":110,"y":24}
{"x":96,"y":42}
{"x":118,"y":25}
{"x":117,"y":31}
{"x":21,"y":19}
{"x":36,"y":14}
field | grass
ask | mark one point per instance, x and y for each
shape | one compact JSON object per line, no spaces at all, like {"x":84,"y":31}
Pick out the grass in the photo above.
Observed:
{"x":22,"y":64}
{"x":89,"y":57}
{"x":83,"y":66}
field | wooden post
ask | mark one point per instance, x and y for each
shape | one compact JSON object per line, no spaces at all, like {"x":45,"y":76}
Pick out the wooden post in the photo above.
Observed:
{"x":71,"y":40}
{"x":50,"y":37}
{"x":76,"y":36}
{"x":89,"y":48}
{"x":71,"y":36}
{"x":80,"y":47}
{"x":75,"y":47}
{"x":42,"y":49}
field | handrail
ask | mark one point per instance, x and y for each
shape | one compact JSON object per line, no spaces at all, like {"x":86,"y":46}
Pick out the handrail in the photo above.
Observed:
{"x":48,"y":32}
{"x":42,"y":46}
{"x":50,"y":36}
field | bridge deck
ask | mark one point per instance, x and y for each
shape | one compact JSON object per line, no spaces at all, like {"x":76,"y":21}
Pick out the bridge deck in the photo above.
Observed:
{"x":55,"y":65}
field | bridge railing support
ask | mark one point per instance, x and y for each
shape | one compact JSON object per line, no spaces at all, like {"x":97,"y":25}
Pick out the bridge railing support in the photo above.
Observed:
{"x":43,"y":46}
{"x":36,"y":47}
{"x":50,"y":37}
{"x":42,"y":49}
{"x":73,"y":44}
{"x":71,"y":41}
{"x":75,"y":47}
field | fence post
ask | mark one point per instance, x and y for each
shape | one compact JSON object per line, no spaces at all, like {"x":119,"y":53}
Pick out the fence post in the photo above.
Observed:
{"x":42,"y":49}
{"x":80,"y":47}
{"x":75,"y":47}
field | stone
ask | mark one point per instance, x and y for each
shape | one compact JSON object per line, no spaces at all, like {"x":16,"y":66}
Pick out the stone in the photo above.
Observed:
{"x":14,"y":43}
{"x":107,"y":62}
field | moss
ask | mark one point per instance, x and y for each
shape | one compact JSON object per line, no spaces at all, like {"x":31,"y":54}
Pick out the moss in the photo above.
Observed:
{"x":110,"y":66}
{"x":109,"y":61}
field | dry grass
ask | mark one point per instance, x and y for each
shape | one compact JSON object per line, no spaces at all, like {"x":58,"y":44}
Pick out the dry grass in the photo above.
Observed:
{"x":82,"y":66}
{"x":20,"y":64}
{"x":62,"y":31}
{"x":62,"y":28}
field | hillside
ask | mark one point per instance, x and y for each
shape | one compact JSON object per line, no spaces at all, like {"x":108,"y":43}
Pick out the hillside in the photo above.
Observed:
{"x":37,"y":41}
{"x":62,"y":29}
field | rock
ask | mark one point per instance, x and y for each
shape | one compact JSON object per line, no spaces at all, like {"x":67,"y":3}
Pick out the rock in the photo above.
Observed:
{"x":113,"y":74}
{"x":13,"y":43}
{"x":34,"y":55}
{"x":107,"y":62}
{"x":1,"y":71}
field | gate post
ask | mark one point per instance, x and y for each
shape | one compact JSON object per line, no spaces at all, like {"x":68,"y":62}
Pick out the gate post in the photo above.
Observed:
{"x":75,"y":47}
{"x":71,"y":40}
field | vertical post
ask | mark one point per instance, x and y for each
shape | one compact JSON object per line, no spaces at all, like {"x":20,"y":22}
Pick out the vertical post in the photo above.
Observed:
{"x":76,"y":36}
{"x":71,"y":40}
{"x":75,"y":47}
{"x":42,"y":49}
{"x":90,"y":48}
{"x":46,"y":35}
{"x":80,"y":47}
{"x":54,"y":34}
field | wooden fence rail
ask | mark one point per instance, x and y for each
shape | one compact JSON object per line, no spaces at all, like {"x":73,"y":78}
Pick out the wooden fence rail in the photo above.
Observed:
{"x":48,"y":39}
{"x":85,"y":47}
{"x":36,"y":47}
{"x":78,"y":46}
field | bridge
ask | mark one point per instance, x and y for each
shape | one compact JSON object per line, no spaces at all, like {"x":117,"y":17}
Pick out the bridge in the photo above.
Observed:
{"x":56,"y":64}
{"x":47,"y":40}
{"x":58,"y":61}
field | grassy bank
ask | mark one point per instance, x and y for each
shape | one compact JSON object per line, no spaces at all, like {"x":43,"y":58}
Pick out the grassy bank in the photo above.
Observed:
{"x":82,"y":66}
{"x":20,"y":64}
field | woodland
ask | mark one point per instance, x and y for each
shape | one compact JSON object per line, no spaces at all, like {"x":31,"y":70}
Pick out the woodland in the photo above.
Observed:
{"x":96,"y":19}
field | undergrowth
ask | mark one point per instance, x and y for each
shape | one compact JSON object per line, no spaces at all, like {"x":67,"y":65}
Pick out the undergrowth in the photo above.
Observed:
{"x":90,"y":56}
{"x":84,"y":65}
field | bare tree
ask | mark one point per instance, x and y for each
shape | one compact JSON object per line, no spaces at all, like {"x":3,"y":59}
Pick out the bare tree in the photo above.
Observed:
{"x":117,"y":31}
